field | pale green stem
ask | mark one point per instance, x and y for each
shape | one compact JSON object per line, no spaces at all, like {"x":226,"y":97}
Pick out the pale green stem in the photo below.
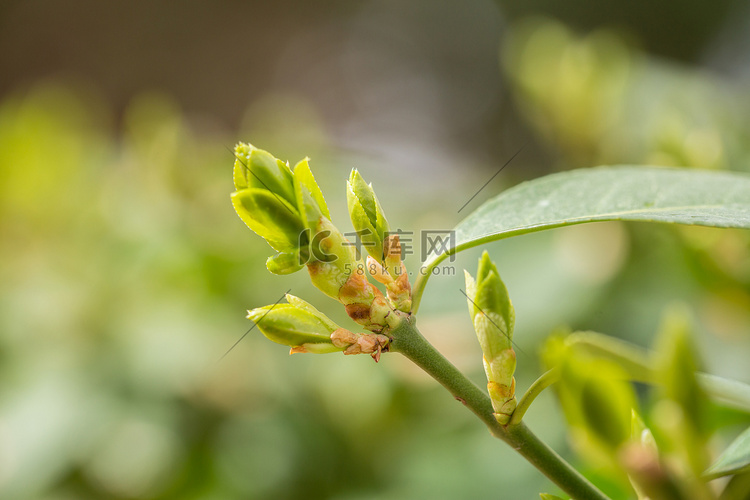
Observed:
{"x":633,"y":359}
{"x":408,"y":341}
{"x":637,"y":362}
{"x":547,"y":379}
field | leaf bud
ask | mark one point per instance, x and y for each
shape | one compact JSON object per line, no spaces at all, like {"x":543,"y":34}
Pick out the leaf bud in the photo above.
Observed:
{"x":367,"y":215}
{"x":494,"y":318}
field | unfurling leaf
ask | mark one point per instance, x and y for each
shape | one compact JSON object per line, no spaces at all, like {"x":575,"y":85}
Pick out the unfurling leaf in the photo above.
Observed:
{"x":367,"y":215}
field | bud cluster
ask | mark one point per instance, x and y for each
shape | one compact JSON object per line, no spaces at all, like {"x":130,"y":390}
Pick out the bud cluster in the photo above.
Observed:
{"x":384,"y":260}
{"x":286,"y":207}
{"x":283,"y":206}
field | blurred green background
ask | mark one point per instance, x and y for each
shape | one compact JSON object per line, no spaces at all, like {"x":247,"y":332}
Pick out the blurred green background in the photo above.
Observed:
{"x":125,"y":274}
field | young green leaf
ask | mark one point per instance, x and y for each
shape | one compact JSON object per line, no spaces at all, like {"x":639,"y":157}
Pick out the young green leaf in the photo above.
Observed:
{"x":270,"y":217}
{"x":679,"y":414}
{"x":597,"y":401}
{"x":606,"y":404}
{"x":627,"y":193}
{"x":367,"y":215}
{"x":309,"y":198}
{"x":255,"y":168}
{"x":284,"y":263}
{"x":301,"y":328}
{"x":677,"y":363}
{"x":735,"y":459}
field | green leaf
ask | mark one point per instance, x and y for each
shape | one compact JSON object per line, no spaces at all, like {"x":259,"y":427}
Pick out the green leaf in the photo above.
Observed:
{"x":303,"y":177}
{"x":606,"y":405}
{"x":626,"y":193}
{"x":735,"y":459}
{"x":293,"y":326}
{"x":730,"y":393}
{"x":490,"y":308}
{"x":676,"y":365}
{"x":595,"y":398}
{"x":270,"y":217}
{"x":301,"y":304}
{"x":366,"y":214}
{"x":360,"y":220}
{"x":364,"y":193}
{"x":255,"y":168}
{"x":284,"y":263}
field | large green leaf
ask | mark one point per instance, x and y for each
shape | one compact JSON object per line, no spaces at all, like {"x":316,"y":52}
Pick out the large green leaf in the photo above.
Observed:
{"x":736,"y":458}
{"x":627,"y":193}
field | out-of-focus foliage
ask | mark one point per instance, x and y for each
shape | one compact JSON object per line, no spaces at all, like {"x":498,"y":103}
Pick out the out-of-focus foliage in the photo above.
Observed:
{"x":666,"y":453}
{"x":125,"y":278}
{"x":599,"y":100}
{"x":125,"y":274}
{"x":735,"y":459}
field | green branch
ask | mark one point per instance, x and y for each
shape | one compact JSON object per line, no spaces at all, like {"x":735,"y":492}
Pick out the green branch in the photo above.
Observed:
{"x":409,"y":342}
{"x":547,"y":379}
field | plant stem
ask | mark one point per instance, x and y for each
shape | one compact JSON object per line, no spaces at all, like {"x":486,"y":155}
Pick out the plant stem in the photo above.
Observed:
{"x":548,"y":378}
{"x":409,"y":342}
{"x":637,"y":362}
